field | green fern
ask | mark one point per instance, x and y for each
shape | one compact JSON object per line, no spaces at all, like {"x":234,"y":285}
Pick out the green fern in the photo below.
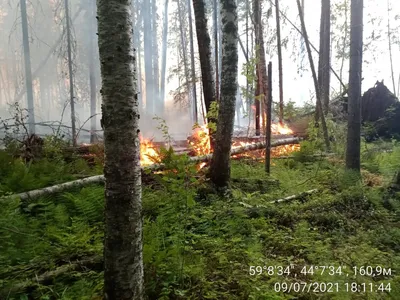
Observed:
{"x":88,"y":204}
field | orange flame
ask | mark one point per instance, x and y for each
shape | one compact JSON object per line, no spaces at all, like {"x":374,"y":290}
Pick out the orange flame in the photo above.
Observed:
{"x":199,"y":143}
{"x":280,"y":129}
{"x":148,"y":152}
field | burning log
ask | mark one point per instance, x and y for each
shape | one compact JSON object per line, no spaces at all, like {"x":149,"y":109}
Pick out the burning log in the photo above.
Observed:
{"x":154,"y":167}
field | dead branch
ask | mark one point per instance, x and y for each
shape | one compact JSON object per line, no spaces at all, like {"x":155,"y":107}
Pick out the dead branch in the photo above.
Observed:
{"x":290,"y":198}
{"x":155,"y":167}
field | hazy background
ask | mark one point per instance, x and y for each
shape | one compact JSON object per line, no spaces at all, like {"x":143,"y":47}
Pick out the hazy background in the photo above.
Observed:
{"x":46,"y":19}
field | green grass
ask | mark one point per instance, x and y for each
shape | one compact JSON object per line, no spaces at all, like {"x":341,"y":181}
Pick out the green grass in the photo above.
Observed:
{"x":198,"y":245}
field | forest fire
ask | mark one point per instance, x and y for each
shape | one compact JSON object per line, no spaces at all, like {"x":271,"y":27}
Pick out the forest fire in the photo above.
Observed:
{"x":199,"y":144}
{"x":148,"y":152}
{"x":199,"y":141}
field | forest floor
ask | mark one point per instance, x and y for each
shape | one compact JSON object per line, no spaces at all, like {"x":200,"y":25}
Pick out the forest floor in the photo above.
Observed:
{"x":198,"y":245}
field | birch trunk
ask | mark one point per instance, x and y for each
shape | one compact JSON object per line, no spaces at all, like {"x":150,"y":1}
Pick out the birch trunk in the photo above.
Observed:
{"x":220,"y":167}
{"x":193,"y":65}
{"x":123,"y":257}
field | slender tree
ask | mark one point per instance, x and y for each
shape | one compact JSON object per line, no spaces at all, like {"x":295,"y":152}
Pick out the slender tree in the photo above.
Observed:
{"x":123,"y":271}
{"x":220,"y":163}
{"x":216,"y":51}
{"x":155,"y":59}
{"x":182,"y":49}
{"x":148,"y":57}
{"x":280,"y":67}
{"x":193,"y":65}
{"x":91,"y":7}
{"x":28,"y":69}
{"x":257,"y":102}
{"x":164,"y":56}
{"x":389,"y":35}
{"x":262,"y":84}
{"x":314,"y":76}
{"x":71,"y":74}
{"x":204,"y":43}
{"x":355,"y":75}
{"x":324,"y":54}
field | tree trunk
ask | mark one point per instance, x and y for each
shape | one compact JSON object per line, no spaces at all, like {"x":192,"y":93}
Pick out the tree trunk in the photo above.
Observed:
{"x":389,"y":36}
{"x":344,"y":45}
{"x":164,"y":56}
{"x":248,"y":102}
{"x":261,"y":68}
{"x":123,"y":271}
{"x":28,"y":69}
{"x":269,"y":119}
{"x":216,"y":51}
{"x":354,"y":102}
{"x":138,"y":25}
{"x":71,"y":76}
{"x":238,"y":105}
{"x":193,"y":65}
{"x":257,"y":100}
{"x":204,"y":42}
{"x":324,"y":54}
{"x":280,"y":68}
{"x":263,"y":72}
{"x":314,"y":75}
{"x":92,"y":72}
{"x":148,"y":56}
{"x":183,"y":49}
{"x":220,"y":163}
{"x":155,"y":59}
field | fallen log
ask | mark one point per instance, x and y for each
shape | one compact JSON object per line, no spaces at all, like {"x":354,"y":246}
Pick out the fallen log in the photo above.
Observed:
{"x":289,"y":198}
{"x":154,"y":167}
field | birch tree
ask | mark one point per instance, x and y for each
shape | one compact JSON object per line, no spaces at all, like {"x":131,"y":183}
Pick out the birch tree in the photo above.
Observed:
{"x":193,"y":65}
{"x":123,"y":261}
{"x":220,"y":164}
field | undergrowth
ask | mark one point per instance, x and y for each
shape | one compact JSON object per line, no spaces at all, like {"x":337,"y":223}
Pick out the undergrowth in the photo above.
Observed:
{"x":198,"y":245}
